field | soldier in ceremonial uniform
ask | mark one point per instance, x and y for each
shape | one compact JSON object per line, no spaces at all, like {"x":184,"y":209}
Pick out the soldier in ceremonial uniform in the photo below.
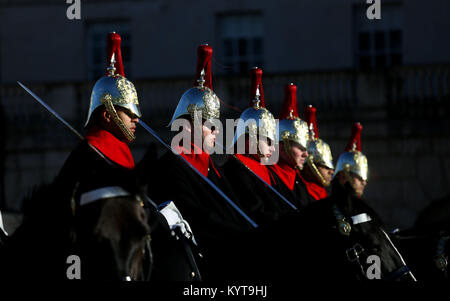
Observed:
{"x":213,"y":221}
{"x":254,"y":144}
{"x":111,"y":123}
{"x":319,"y":168}
{"x":352,"y":166}
{"x":103,"y":158}
{"x":293,"y":133}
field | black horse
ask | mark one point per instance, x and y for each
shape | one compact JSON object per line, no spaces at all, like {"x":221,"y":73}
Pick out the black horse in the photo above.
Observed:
{"x":109,"y":234}
{"x":117,"y":233}
{"x":427,"y":243}
{"x":336,"y":239}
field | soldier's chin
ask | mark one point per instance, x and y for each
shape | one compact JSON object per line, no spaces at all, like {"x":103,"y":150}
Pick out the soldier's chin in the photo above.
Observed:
{"x":208,"y":147}
{"x":265,"y":160}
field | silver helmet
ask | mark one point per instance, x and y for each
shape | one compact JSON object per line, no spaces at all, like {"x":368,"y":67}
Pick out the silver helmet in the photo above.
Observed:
{"x":256,"y":119}
{"x":319,"y":152}
{"x":352,"y":159}
{"x":201,"y":98}
{"x":114,"y":89}
{"x":291,"y":127}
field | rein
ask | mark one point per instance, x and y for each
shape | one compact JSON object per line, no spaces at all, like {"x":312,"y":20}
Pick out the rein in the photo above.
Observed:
{"x":354,"y":253}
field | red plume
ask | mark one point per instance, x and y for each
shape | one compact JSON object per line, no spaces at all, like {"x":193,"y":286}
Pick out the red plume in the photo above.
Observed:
{"x":113,"y":46}
{"x":310,"y":118}
{"x":289,"y":102}
{"x":204,"y":54}
{"x":355,"y":138}
{"x":256,"y":76}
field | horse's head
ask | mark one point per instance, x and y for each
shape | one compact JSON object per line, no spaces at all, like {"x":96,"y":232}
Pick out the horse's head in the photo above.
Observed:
{"x":112,"y":234}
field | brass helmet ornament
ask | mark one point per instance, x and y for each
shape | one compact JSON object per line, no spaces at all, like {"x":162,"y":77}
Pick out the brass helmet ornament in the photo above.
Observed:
{"x":352,"y":159}
{"x":201,"y":98}
{"x":256,"y":120}
{"x":290,"y":127}
{"x":319,"y":152}
{"x":114,"y":89}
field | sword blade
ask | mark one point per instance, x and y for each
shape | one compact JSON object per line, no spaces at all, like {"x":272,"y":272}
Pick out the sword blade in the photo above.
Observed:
{"x":51,"y":110}
{"x":217,"y":189}
{"x":63,"y":121}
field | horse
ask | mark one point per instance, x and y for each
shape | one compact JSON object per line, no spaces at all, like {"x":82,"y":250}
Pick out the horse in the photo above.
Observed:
{"x":335,"y":239}
{"x":107,"y":230}
{"x":428,"y":242}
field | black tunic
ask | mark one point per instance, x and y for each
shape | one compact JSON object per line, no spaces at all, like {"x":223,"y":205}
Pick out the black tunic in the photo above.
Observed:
{"x":88,"y":169}
{"x":199,"y":203}
{"x":216,"y":225}
{"x":260,"y":202}
{"x":298,"y":196}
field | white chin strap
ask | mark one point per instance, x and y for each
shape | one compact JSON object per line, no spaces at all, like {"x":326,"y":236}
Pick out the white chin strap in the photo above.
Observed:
{"x":102,"y":193}
{"x":361,"y":218}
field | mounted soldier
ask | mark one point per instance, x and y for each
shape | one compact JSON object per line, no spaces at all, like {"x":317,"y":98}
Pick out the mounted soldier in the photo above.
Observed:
{"x":352,"y":166}
{"x":319,"y":168}
{"x":293,"y":133}
{"x":183,"y":180}
{"x":112,"y":117}
{"x":254,"y":144}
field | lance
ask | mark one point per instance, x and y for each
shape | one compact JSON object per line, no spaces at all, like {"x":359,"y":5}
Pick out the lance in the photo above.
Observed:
{"x":153,"y":133}
{"x":48,"y":108}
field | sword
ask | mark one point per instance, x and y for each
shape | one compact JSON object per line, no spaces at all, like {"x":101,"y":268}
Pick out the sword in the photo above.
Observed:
{"x":217,"y":189}
{"x":63,"y":121}
{"x":51,"y":110}
{"x":153,"y":133}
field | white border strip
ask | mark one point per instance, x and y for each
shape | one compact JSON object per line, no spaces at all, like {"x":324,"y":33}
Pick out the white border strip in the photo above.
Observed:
{"x":102,"y":193}
{"x":361,"y":218}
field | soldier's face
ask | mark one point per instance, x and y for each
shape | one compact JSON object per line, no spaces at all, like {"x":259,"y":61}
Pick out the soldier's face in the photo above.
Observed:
{"x":327,"y":173}
{"x":296,"y":156}
{"x":209,"y":134}
{"x":356,"y":181}
{"x":358,"y":184}
{"x":299,"y":154}
{"x":128,"y":119}
{"x":266,"y":147}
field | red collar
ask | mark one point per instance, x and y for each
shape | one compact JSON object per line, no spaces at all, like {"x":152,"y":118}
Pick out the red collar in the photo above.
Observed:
{"x":317,"y":191}
{"x":258,"y":168}
{"x":116,"y":150}
{"x":201,"y":161}
{"x":286,"y":173}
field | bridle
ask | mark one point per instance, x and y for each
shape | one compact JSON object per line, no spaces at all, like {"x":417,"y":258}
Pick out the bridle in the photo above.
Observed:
{"x":356,"y":250}
{"x":441,"y":258}
{"x":107,"y":192}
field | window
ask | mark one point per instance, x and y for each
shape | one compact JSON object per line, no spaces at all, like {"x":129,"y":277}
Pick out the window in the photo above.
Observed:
{"x":96,"y":43}
{"x":241,"y":41}
{"x":378,"y":43}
